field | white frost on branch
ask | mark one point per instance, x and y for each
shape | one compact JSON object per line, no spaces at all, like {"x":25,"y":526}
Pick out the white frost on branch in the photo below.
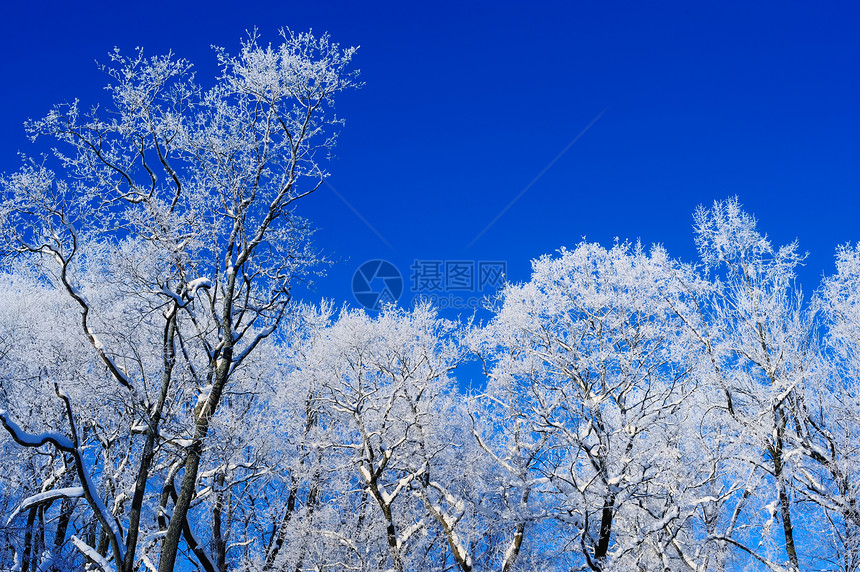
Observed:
{"x":35,"y":440}
{"x":365,"y":474}
{"x":194,"y":285}
{"x":92,"y":554}
{"x":202,"y":399}
{"x":171,"y":294}
{"x":68,"y":492}
{"x":410,"y":530}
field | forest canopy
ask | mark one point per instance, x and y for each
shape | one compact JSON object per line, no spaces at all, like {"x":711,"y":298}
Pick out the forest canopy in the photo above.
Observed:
{"x":168,"y":405}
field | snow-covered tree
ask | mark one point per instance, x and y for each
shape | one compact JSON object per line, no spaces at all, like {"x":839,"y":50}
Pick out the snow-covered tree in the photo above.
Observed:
{"x":168,"y":222}
{"x":167,"y":405}
{"x":757,"y":336}
{"x":590,"y":371}
{"x":829,"y":431}
{"x":389,"y":425}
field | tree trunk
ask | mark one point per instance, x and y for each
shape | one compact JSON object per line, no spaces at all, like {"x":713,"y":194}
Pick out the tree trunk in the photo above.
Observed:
{"x":776,"y":452}
{"x":28,"y":540}
{"x":280,"y":532}
{"x":66,"y":509}
{"x":219,"y":543}
{"x":602,"y":547}
{"x":169,"y":359}
{"x":192,"y":464}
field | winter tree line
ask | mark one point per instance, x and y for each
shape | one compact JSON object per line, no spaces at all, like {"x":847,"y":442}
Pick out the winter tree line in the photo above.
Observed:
{"x":167,"y":406}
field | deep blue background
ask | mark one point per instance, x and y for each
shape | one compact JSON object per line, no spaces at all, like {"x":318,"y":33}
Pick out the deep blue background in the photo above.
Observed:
{"x":465,"y":105}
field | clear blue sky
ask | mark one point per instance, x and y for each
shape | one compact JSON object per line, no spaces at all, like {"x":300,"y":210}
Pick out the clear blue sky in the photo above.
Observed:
{"x":465,"y":104}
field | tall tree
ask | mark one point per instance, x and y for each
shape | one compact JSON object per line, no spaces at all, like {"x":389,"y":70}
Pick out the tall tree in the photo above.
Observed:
{"x":589,"y":363}
{"x":829,"y":424}
{"x":182,"y":199}
{"x":383,"y":388}
{"x":759,"y":345}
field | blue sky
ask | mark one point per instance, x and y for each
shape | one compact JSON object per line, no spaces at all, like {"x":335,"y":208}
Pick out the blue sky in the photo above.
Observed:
{"x":465,"y":105}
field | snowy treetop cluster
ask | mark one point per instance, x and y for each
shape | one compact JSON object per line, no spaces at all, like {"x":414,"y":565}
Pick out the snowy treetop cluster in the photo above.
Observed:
{"x":167,"y":406}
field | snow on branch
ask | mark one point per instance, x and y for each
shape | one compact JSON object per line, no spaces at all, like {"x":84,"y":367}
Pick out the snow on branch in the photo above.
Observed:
{"x":35,"y":440}
{"x":88,"y":488}
{"x":92,"y":554}
{"x":47,"y":496}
